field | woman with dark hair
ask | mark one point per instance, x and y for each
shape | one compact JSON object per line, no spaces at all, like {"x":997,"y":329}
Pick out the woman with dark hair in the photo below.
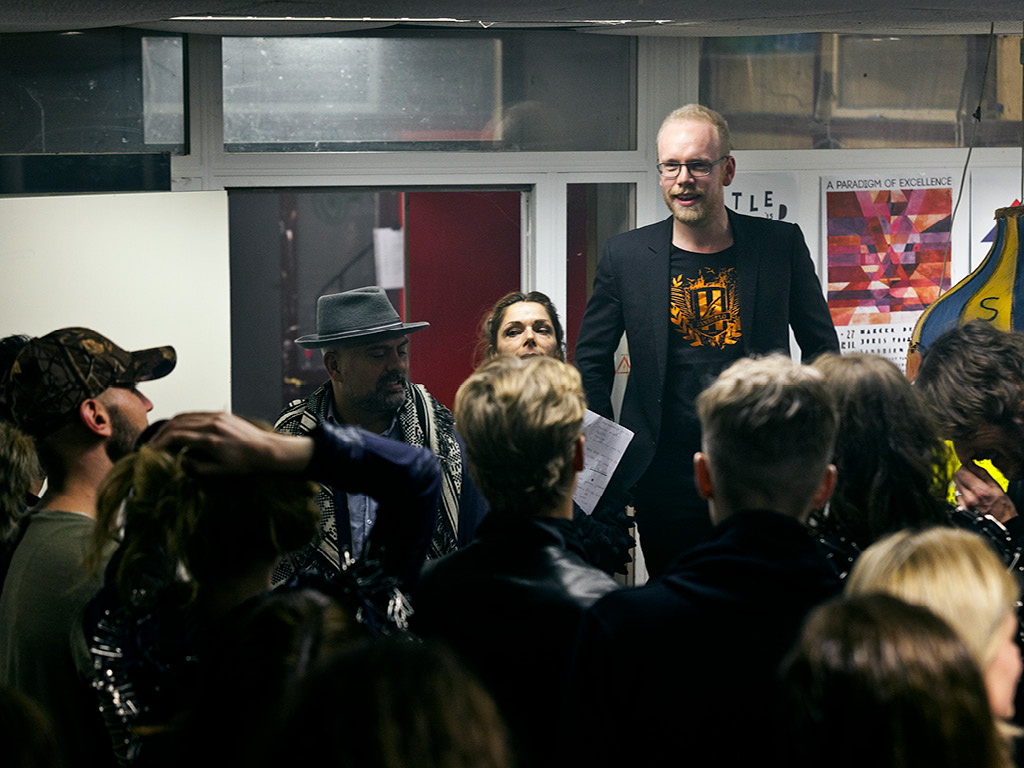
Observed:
{"x":195,"y":547}
{"x":263,"y":653}
{"x":527,"y":325}
{"x":10,"y":346}
{"x":893,"y":470}
{"x":21,"y":475}
{"x":392,"y":704}
{"x":523,"y":324}
{"x":875,"y":681}
{"x":204,"y":512}
{"x":21,"y":478}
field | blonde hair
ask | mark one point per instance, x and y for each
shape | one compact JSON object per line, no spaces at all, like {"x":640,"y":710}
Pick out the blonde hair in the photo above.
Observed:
{"x":702,"y":114}
{"x":769,"y":426}
{"x":953,"y":572}
{"x":520,"y":419}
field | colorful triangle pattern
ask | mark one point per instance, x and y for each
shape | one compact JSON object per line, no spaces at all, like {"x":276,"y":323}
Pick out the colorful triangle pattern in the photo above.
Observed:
{"x":888,"y":252}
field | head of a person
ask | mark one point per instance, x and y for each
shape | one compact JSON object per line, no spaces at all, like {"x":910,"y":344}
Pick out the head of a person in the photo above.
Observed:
{"x":261,"y":653}
{"x":405,"y":704}
{"x":874,"y":680}
{"x":522,"y":422}
{"x":769,"y":426}
{"x":695,"y":164}
{"x":958,"y":576}
{"x":73,"y":387}
{"x":973,"y":377}
{"x":208,"y":528}
{"x":365,"y":347}
{"x":10,"y":346}
{"x":523,"y":324}
{"x":20,"y":475}
{"x":893,"y":470}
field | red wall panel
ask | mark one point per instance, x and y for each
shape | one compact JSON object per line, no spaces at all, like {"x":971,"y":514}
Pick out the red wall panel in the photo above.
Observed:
{"x":463,"y":251}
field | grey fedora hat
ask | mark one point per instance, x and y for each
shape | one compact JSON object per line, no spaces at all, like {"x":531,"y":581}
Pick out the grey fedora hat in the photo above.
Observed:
{"x":357,"y":316}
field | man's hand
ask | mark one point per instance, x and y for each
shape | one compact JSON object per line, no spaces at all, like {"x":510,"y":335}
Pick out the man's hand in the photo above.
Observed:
{"x":977,"y":490}
{"x":220,"y":443}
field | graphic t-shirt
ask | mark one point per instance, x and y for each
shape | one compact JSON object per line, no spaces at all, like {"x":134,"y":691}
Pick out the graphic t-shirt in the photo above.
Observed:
{"x":704,"y":338}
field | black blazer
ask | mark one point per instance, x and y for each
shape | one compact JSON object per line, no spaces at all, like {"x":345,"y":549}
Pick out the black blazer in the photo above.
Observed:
{"x":778,"y":290}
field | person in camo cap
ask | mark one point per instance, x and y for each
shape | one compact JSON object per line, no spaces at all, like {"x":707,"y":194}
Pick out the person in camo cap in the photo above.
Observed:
{"x":74,"y":391}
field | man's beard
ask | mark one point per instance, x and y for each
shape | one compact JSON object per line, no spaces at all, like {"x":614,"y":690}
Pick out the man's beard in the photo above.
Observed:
{"x":381,"y":401}
{"x":694,"y":215}
{"x":123,"y":435}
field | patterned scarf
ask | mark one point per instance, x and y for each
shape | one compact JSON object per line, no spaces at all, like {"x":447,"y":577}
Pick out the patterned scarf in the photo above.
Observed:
{"x":428,"y":424}
{"x":423,"y":422}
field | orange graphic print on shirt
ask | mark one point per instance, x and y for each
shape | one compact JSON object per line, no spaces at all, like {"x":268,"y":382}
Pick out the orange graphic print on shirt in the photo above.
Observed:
{"x":706,"y":309}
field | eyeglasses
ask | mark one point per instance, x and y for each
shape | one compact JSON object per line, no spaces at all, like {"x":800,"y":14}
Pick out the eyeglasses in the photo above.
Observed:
{"x":695,"y":167}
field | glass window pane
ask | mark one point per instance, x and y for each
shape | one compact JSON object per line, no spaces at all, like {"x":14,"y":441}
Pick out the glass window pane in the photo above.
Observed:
{"x":860,"y":91}
{"x":163,"y":89}
{"x":595,"y":213}
{"x":502,"y":91}
{"x":289,"y":247}
{"x":105,"y":90}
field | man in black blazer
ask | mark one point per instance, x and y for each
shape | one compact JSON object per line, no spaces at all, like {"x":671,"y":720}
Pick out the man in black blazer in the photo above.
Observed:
{"x":692,"y":293}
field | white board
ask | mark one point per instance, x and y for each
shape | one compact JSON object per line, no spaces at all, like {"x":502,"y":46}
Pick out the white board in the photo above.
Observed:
{"x":144,"y":269}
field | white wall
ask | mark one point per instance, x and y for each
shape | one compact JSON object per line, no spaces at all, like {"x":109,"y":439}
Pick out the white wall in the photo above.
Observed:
{"x":145,"y":270}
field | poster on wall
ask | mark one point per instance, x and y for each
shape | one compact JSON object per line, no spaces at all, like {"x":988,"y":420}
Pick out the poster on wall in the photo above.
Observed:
{"x":887,"y":238}
{"x":767,"y":195}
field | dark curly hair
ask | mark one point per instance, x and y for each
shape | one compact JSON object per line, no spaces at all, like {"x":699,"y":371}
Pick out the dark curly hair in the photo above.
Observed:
{"x":893,"y":470}
{"x":973,"y":377}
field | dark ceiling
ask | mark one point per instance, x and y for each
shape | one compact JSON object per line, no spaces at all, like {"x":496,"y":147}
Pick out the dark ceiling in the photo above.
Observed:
{"x":637,"y":17}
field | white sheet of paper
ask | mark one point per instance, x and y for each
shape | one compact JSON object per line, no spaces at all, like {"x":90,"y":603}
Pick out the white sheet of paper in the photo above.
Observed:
{"x":389,"y":253}
{"x":605,"y":442}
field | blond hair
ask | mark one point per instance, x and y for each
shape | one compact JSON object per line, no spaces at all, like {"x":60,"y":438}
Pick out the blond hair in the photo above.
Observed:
{"x":520,"y":419}
{"x":953,"y":572}
{"x":769,"y":426}
{"x":702,"y":114}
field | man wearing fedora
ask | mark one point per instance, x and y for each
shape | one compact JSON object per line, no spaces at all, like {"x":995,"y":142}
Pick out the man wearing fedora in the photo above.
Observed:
{"x":365,"y":348}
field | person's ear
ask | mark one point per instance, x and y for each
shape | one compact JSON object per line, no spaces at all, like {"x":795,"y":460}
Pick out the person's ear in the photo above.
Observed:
{"x":577,"y":456}
{"x":828,"y":485}
{"x":331,"y":364}
{"x":702,"y":476}
{"x":95,"y":417}
{"x":729,"y":172}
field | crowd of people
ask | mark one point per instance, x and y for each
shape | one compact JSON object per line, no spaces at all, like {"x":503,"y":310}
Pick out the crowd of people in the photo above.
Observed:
{"x":377,"y":580}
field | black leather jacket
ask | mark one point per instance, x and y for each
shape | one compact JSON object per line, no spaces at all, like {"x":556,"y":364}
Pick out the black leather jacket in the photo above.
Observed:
{"x":510,"y":606}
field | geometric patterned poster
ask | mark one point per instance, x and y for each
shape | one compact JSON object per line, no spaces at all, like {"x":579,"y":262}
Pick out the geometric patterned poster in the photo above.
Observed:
{"x":888,"y":245}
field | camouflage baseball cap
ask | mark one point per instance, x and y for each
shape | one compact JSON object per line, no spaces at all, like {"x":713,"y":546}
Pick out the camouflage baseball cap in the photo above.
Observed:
{"x":54,"y":374}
